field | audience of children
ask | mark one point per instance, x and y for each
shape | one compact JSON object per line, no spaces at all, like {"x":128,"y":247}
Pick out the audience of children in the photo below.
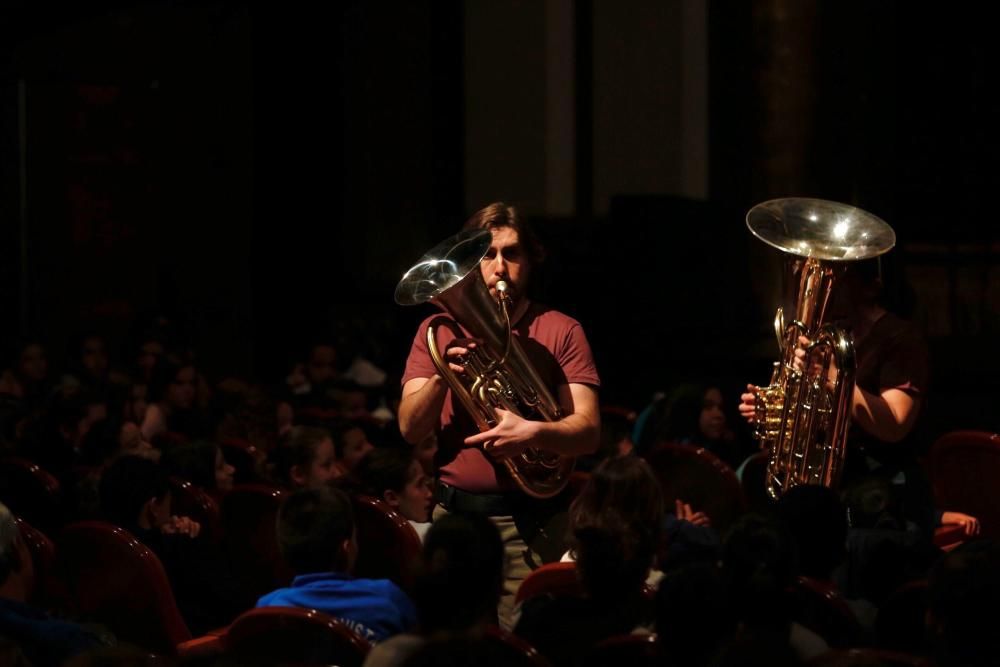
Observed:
{"x":644,"y":565}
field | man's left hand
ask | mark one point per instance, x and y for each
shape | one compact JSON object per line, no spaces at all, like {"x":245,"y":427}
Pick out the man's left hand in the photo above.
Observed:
{"x":508,"y":438}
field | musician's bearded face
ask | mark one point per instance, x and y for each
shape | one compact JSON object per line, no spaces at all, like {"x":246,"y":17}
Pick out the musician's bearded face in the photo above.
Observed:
{"x":506,"y":260}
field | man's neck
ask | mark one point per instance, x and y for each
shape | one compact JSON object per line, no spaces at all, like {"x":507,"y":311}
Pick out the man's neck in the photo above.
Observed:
{"x":519,"y":310}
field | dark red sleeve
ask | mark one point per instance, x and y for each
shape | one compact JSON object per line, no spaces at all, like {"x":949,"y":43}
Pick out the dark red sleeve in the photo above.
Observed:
{"x":906,"y":365}
{"x":419,"y":363}
{"x":576,"y":359}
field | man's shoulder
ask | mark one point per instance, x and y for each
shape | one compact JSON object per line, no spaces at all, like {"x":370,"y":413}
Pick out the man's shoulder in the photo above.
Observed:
{"x":891,"y":327}
{"x":541,"y":315}
{"x":424,"y":323}
{"x":537,"y":314}
{"x":447,"y":328}
{"x":896,"y":338}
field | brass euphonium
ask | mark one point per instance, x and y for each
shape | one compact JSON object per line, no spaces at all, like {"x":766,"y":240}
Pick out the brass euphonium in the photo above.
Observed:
{"x":803,"y":416}
{"x":497,"y":373}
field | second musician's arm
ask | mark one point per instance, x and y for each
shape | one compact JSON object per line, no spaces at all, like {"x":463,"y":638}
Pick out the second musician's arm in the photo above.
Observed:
{"x":889,"y":415}
{"x":577,"y":433}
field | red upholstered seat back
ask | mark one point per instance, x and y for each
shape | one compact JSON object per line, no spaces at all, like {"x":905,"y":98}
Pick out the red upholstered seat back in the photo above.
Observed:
{"x":388,"y":546}
{"x":114,"y":579}
{"x":285,"y":635}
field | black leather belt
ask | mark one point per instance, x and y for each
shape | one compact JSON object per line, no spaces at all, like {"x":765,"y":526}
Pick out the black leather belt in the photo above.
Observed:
{"x":487,"y":504}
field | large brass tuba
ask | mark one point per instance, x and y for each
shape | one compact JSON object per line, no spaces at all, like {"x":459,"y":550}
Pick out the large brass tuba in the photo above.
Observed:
{"x":497,"y":373}
{"x":803,"y":416}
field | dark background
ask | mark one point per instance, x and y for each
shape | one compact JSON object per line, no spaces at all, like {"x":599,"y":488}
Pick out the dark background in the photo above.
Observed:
{"x":263,"y":173}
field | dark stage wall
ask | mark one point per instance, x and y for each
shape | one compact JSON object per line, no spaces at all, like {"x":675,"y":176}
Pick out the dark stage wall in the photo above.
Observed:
{"x":264,"y":173}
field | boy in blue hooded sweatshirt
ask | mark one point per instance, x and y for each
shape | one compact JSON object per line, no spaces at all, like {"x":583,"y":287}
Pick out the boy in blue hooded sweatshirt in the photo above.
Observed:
{"x":316,"y":537}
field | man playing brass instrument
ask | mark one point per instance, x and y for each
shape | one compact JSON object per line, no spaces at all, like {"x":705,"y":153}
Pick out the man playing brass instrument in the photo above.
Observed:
{"x":892,"y":376}
{"x":892,"y":362}
{"x":469,"y":477}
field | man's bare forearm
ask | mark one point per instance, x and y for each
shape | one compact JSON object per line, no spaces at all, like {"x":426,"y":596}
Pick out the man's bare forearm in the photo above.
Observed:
{"x":573,"y":435}
{"x":420,"y":409}
{"x":577,"y":433}
{"x":888,"y":416}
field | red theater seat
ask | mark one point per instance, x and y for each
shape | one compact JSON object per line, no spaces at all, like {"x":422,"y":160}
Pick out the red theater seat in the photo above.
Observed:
{"x":114,"y":579}
{"x":698,"y":477}
{"x":283,"y":635}
{"x":249,"y":537}
{"x":557,"y":579}
{"x":819,"y":607}
{"x":964,"y":469}
{"x":30,"y":492}
{"x":191,"y":501}
{"x":388,"y":546}
{"x":43,"y":561}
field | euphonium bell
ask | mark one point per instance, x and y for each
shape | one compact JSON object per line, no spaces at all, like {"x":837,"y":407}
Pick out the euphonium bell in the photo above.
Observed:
{"x":802,"y":417}
{"x":497,"y":373}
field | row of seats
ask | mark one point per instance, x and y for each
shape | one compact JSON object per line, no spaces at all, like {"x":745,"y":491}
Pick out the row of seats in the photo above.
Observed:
{"x":963,"y":467}
{"x":104,"y":573}
{"x":99,"y":571}
{"x":300,"y":636}
{"x":388,"y":545}
{"x":290,"y":635}
{"x":812,"y":603}
{"x":309,"y":636}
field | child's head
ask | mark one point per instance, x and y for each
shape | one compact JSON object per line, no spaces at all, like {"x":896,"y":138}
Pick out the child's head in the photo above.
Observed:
{"x":351,"y":443}
{"x":316,"y":530}
{"x":692,"y":412}
{"x":201,"y":463}
{"x":172,"y":383}
{"x":461,"y":575}
{"x":626,"y":484}
{"x":616,"y":524}
{"x":321,"y":363}
{"x":393,"y":475}
{"x":306,"y":458}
